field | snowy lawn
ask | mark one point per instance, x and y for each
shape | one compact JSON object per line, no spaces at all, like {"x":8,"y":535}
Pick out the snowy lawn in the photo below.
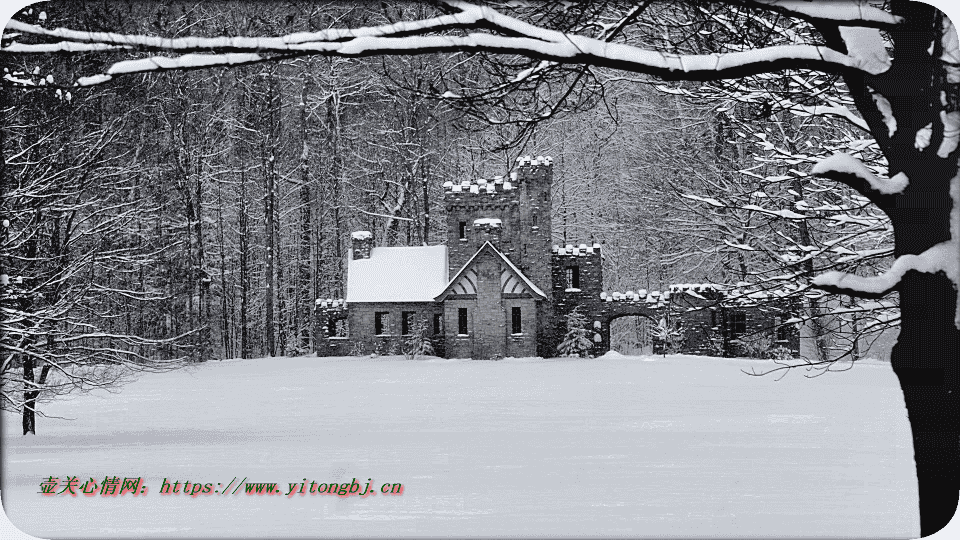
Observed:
{"x":677,"y":446}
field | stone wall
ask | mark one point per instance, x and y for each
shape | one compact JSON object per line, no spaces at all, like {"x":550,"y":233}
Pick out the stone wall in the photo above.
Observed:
{"x":700,"y":318}
{"x":361,"y":337}
{"x":536,"y":208}
{"x":523,"y":203}
{"x":459,"y":345}
{"x":524,"y":344}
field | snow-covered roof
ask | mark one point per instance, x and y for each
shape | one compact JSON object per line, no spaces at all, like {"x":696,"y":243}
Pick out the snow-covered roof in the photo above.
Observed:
{"x":361,"y":235}
{"x":397,"y":274}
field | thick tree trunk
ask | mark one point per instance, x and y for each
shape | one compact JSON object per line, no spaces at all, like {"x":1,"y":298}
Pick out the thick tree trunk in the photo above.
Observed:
{"x":925,"y":360}
{"x":916,"y":89}
{"x":926,"y":354}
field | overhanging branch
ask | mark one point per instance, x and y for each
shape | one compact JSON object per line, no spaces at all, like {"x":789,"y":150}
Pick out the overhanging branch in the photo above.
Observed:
{"x":500,"y":34}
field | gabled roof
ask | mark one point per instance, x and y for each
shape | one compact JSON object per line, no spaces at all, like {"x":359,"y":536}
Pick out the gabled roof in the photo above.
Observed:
{"x":466,"y":269}
{"x":397,"y":274}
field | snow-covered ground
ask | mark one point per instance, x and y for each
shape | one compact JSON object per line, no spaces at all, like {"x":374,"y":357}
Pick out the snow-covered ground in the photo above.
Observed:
{"x":620,"y":446}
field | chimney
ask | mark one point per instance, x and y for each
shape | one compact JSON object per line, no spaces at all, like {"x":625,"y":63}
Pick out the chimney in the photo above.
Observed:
{"x":488,"y":230}
{"x":362,"y":244}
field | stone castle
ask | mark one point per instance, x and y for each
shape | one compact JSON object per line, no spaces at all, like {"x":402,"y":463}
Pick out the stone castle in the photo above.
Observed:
{"x":498,"y":287}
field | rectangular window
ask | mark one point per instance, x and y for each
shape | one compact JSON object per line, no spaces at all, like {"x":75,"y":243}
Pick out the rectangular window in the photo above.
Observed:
{"x":463,"y":230}
{"x":380,"y":322}
{"x":515,"y":316}
{"x":573,"y":277}
{"x":339,"y":328}
{"x":406,"y":322}
{"x":781,"y":329}
{"x":437,"y":323}
{"x":738,"y":323}
{"x":462,"y":321}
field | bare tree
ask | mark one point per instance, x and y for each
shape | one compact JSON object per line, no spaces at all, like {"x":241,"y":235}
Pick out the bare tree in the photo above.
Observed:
{"x":70,"y":252}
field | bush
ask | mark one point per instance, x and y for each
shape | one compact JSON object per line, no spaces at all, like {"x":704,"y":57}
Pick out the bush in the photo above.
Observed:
{"x":754,"y":346}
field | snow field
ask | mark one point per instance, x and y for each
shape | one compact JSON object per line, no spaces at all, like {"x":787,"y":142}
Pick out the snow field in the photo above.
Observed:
{"x":619,"y":446}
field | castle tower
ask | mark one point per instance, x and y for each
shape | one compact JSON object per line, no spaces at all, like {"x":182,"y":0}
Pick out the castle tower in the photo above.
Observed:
{"x":521,"y":203}
{"x":513,"y":214}
{"x":535,"y":179}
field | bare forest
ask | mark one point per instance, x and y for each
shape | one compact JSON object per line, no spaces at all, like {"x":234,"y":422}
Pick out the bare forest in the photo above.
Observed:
{"x":159,"y":211}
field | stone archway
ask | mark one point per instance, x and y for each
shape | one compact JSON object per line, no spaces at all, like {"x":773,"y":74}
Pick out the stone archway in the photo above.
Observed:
{"x":632,"y":335}
{"x":604,"y":313}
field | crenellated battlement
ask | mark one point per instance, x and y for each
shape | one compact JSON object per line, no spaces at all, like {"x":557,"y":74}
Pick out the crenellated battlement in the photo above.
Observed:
{"x":329,"y":303}
{"x":583,"y":250}
{"x":654,"y":298}
{"x":499,"y":189}
{"x":530,"y":164}
{"x":577,"y":271}
{"x":492,"y":193}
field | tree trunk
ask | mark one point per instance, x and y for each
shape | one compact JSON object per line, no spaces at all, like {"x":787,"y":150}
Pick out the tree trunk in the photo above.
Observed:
{"x":244,"y":265}
{"x":269,"y":211}
{"x":924,"y":360}
{"x":925,"y":355}
{"x":305,"y":288}
{"x":203,"y":279}
{"x":29,"y":398}
{"x":224,"y":308}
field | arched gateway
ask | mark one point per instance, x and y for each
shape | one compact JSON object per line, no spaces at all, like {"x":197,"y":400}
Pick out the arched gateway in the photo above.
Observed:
{"x":498,"y":287}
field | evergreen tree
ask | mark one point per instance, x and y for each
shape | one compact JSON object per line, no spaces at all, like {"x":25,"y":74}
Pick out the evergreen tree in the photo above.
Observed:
{"x":576,"y":341}
{"x":418,"y":344}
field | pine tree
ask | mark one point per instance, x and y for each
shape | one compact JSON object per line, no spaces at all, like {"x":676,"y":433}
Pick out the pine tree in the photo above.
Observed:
{"x":576,"y":341}
{"x":418,"y":344}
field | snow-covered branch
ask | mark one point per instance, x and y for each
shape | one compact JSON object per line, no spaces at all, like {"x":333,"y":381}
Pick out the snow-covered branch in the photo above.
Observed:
{"x":848,"y":12}
{"x":498,"y":33}
{"x":940,"y":258}
{"x":849,"y":170}
{"x":163,"y":63}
